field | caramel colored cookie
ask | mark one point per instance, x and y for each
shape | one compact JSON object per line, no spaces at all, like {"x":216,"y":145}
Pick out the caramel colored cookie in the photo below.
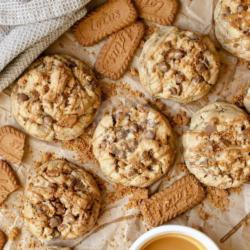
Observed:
{"x":105,"y":20}
{"x":3,"y":239}
{"x":56,"y":98}
{"x":181,"y":196}
{"x":217,"y":145}
{"x":8,"y":181}
{"x":178,"y":65}
{"x":134,"y":145}
{"x":159,"y":11}
{"x":12,"y":144}
{"x":232,"y":28}
{"x":119,"y":50}
{"x":62,"y":201}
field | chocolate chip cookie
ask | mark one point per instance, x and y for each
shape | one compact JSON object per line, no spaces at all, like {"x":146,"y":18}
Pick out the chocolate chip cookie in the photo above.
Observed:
{"x":134,"y":145}
{"x":56,"y":98}
{"x":178,"y":65}
{"x":62,"y":201}
{"x":232,"y":26}
{"x":217,"y":145}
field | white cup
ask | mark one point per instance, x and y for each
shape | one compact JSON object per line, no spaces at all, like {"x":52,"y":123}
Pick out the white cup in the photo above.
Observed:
{"x":167,"y":229}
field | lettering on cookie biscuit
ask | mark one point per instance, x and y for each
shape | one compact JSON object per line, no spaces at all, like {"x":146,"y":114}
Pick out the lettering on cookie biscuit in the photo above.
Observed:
{"x":182,"y":195}
{"x":119,"y":50}
{"x":105,"y":19}
{"x":12,"y":144}
{"x":110,"y":17}
{"x":162,"y":12}
{"x":149,"y":5}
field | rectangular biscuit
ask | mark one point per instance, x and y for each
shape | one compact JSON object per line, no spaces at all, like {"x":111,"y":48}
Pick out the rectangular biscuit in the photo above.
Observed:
{"x":105,"y":20}
{"x":181,"y":196}
{"x":117,"y":53}
{"x":159,"y":11}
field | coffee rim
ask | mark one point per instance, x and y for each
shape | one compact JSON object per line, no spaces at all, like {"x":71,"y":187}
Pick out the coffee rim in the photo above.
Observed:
{"x":169,"y":229}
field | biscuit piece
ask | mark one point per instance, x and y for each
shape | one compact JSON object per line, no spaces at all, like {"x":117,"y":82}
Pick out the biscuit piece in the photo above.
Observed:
{"x":232,"y":28}
{"x":159,"y":11}
{"x":134,"y":145}
{"x":56,"y":98}
{"x":12,"y":144}
{"x":181,"y":196}
{"x":217,"y":145}
{"x":8,"y":181}
{"x":117,"y":53}
{"x":56,"y":248}
{"x":178,"y":65}
{"x":14,"y":233}
{"x":3,"y":239}
{"x":62,"y":201}
{"x":105,"y":20}
{"x":246,"y":100}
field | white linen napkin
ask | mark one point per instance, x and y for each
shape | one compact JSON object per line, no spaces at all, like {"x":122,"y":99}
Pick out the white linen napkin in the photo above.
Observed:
{"x":28,"y":27}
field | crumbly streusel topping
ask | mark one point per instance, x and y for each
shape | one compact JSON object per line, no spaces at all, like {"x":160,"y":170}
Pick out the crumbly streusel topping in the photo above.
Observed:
{"x":178,"y":65}
{"x":61,"y":201}
{"x":134,"y":145}
{"x":237,"y":13}
{"x":217,"y":146}
{"x":56,"y":98}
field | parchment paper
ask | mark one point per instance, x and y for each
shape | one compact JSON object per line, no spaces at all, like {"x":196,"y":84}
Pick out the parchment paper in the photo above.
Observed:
{"x":196,"y":15}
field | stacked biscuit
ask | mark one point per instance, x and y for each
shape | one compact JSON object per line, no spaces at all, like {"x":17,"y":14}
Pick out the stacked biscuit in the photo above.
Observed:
{"x":57,"y":98}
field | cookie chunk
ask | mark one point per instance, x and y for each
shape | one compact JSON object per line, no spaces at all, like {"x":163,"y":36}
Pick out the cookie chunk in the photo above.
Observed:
{"x":232,"y":27}
{"x":246,"y":100}
{"x":56,"y":98}
{"x":62,"y":201}
{"x":178,"y":65}
{"x":217,"y":145}
{"x":134,"y":145}
{"x":162,"y":12}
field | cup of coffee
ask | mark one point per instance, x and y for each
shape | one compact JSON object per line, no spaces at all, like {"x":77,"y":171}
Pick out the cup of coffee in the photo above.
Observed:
{"x":173,"y":237}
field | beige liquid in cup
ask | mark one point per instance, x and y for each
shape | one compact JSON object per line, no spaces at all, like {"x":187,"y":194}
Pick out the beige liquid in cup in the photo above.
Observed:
{"x":173,"y":241}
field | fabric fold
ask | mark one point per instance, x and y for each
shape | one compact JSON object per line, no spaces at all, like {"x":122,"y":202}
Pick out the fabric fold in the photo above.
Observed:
{"x":30,"y":27}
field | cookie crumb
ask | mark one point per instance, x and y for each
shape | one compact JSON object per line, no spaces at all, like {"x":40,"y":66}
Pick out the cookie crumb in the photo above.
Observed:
{"x":82,"y":146}
{"x":218,"y":197}
{"x":203,"y":214}
{"x":181,"y":119}
{"x":14,"y":233}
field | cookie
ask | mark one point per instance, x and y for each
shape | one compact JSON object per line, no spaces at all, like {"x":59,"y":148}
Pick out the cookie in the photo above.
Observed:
{"x":134,"y":145}
{"x":62,"y":201}
{"x":165,"y":205}
{"x":232,"y":27}
{"x":8,"y":181}
{"x":3,"y":239}
{"x":105,"y":20}
{"x":56,"y":98}
{"x":12,"y":143}
{"x":217,"y":145}
{"x":178,"y":65}
{"x":115,"y":56}
{"x":246,"y":100}
{"x":162,"y":12}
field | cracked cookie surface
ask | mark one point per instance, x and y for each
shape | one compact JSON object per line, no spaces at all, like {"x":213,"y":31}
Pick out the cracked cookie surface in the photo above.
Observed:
{"x":217,"y":145}
{"x":232,"y":26}
{"x":178,"y":65}
{"x":134,"y":145}
{"x":56,"y":98}
{"x":62,"y":201}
